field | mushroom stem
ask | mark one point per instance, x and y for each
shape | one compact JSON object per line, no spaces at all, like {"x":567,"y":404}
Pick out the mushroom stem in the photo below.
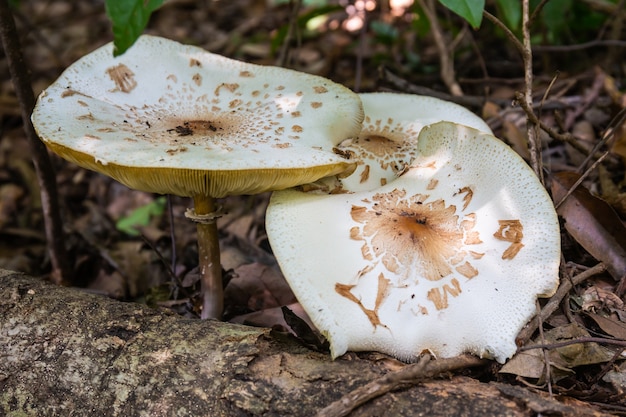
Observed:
{"x":209,"y":260}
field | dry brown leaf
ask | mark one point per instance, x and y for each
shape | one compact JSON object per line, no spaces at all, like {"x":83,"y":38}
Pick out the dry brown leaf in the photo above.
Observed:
{"x":516,"y":138}
{"x":592,"y":223}
{"x":490,"y":109}
{"x":259,"y":287}
{"x":272,"y":317}
{"x":610,"y":326}
{"x":597,"y":298}
{"x":610,"y":191}
{"x":530,"y":363}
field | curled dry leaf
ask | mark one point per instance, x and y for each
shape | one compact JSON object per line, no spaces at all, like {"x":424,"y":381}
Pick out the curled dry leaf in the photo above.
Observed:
{"x":563,"y":360}
{"x":596,"y":298}
{"x":592,"y":223}
{"x":610,"y":326}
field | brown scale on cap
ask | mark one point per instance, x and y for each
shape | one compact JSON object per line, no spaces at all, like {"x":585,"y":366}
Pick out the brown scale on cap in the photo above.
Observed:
{"x":408,"y":232}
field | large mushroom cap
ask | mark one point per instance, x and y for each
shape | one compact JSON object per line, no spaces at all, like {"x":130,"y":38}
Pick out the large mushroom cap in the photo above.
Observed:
{"x":175,"y":119}
{"x":449,"y":257}
{"x":386,"y":145}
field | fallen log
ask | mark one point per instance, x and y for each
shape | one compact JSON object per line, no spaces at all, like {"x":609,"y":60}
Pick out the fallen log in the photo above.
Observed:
{"x":65,"y":352}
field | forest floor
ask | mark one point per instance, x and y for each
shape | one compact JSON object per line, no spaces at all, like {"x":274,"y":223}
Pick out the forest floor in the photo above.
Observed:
{"x":580,"y":90}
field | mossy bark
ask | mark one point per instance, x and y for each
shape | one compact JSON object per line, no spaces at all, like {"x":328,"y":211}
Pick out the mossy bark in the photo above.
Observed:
{"x":64,"y":352}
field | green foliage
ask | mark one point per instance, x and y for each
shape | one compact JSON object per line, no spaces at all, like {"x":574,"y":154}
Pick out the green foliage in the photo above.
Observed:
{"x":129,"y":19}
{"x":555,"y":15}
{"x":470,"y":10}
{"x":141,"y":217}
{"x":511,"y":13}
{"x":302,"y":22}
{"x":385,"y":33}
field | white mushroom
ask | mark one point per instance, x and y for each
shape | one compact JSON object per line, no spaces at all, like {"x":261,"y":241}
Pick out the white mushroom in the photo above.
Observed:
{"x":175,"y":119}
{"x":386,"y":145}
{"x":449,"y":257}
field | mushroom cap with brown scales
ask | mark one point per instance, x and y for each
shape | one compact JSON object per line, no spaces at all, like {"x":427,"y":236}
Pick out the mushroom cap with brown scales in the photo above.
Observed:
{"x":449,"y":257}
{"x":175,"y":119}
{"x":386,"y":145}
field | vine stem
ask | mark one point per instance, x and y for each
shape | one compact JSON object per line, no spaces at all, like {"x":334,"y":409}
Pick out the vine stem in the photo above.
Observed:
{"x":61,"y":273}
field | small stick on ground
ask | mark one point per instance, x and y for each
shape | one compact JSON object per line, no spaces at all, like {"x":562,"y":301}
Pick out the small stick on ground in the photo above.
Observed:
{"x":555,"y":300}
{"x":426,"y":367}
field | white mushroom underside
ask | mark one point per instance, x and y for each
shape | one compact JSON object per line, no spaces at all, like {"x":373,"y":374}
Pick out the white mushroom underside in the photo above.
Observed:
{"x":386,"y":145}
{"x":194,"y":110}
{"x":332,"y":250}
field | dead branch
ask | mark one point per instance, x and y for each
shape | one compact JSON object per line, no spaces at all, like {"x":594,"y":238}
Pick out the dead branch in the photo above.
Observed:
{"x":55,"y":236}
{"x":426,"y":367}
{"x":554,"y":302}
{"x":445,"y":54}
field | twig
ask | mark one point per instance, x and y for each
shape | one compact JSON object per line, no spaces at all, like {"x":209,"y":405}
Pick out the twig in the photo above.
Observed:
{"x":445,"y":54}
{"x":546,"y":357}
{"x":608,"y":134}
{"x":556,"y":345}
{"x":405,"y":86}
{"x":561,"y":137}
{"x":55,"y":236}
{"x":526,"y":99}
{"x":293,"y":27}
{"x":358,"y":75}
{"x":536,"y":12}
{"x":581,"y":179}
{"x":510,"y":35}
{"x":590,"y":97}
{"x":424,"y":368}
{"x":534,"y":141}
{"x":555,"y":300}
{"x":580,"y":46}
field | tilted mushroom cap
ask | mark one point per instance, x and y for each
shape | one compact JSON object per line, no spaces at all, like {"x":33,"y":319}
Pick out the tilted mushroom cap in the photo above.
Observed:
{"x":449,"y":257}
{"x":386,"y":145}
{"x":175,"y":119}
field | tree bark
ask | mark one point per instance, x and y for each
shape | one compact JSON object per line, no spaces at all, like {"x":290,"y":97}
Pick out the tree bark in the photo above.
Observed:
{"x":64,"y":352}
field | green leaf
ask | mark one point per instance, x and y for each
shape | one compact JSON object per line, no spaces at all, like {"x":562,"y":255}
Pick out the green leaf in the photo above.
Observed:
{"x":555,"y":16}
{"x":141,"y":217}
{"x":512,"y":13}
{"x":470,"y":10}
{"x":129,"y":19}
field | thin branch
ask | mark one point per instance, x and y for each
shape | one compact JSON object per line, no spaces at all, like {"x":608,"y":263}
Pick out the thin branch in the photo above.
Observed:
{"x":581,"y":179}
{"x":403,"y":85}
{"x":561,"y":137}
{"x":445,"y":54}
{"x":426,"y":367}
{"x":291,"y":30}
{"x":556,"y":345}
{"x":555,"y":300}
{"x":55,"y":236}
{"x":580,"y":46}
{"x":510,"y":35}
{"x":536,"y":12}
{"x":534,"y":141}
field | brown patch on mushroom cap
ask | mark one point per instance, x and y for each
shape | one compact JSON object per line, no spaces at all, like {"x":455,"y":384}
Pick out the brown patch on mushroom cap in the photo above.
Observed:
{"x":409,"y":233}
{"x":439,"y":295}
{"x":372,"y":314}
{"x":123,"y":78}
{"x":510,"y":231}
